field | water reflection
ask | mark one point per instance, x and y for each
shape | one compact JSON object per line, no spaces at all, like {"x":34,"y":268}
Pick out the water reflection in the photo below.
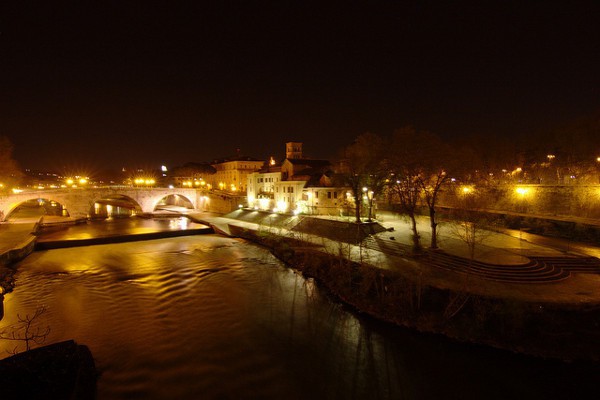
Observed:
{"x":117,"y":227}
{"x":212,"y":317}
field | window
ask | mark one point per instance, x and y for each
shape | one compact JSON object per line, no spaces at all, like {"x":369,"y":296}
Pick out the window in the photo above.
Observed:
{"x":328,"y":195}
{"x":335,"y":195}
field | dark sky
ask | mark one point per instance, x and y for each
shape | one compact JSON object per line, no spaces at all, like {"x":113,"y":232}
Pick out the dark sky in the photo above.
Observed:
{"x":118,"y":83}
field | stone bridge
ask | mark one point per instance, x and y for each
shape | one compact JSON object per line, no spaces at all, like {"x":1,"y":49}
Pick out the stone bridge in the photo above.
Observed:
{"x":79,"y":202}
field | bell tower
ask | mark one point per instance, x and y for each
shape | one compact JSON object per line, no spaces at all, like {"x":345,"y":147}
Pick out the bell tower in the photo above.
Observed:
{"x":293,"y":150}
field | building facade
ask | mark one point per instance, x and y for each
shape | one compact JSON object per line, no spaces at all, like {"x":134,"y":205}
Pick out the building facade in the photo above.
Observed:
{"x":297,"y":185}
{"x":232,"y":174}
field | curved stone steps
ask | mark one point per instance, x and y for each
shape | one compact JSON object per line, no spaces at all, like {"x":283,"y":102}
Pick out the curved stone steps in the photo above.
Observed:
{"x":537,"y":270}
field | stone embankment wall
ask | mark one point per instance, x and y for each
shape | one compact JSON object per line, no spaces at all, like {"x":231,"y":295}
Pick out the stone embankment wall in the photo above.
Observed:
{"x":568,"y":212}
{"x":581,"y":201}
{"x":562,"y":331}
{"x":221,"y":203}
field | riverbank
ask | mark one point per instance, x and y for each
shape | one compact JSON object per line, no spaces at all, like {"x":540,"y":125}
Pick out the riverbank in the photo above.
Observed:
{"x":552,"y":318}
{"x":63,"y":370}
{"x":514,"y":295}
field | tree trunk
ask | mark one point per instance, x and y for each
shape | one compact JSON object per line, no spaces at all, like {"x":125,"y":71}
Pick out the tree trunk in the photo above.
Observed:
{"x":433,"y":227}
{"x":357,"y":210}
{"x":415,"y":236}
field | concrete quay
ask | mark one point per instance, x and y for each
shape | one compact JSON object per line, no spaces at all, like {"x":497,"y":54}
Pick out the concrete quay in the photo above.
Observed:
{"x":515,"y":295}
{"x":504,"y":265}
{"x":17,"y":241}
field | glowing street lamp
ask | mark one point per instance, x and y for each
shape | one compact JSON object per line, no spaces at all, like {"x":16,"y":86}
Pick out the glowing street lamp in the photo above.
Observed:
{"x":522,"y":191}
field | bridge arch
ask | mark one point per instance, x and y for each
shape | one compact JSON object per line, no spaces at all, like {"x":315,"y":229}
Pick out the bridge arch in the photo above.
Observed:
{"x":114,"y":205}
{"x":35,"y":207}
{"x":173,"y":202}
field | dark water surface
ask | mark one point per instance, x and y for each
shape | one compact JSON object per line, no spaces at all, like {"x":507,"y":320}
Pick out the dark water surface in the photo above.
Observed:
{"x":208,"y":317}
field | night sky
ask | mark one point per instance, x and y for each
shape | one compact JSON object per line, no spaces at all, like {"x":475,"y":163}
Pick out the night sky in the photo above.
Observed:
{"x":117,"y":83}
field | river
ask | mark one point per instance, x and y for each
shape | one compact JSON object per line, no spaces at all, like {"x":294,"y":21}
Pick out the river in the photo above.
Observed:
{"x":212,"y":317}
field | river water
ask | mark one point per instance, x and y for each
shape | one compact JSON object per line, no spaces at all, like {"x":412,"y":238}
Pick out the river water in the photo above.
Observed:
{"x":209,"y":317}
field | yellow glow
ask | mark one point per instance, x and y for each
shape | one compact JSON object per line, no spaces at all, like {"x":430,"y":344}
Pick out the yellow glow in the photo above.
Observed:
{"x":263,"y":204}
{"x":466,"y":189}
{"x":522,"y":191}
{"x":15,"y":190}
{"x":282,"y":206}
{"x":82,"y":181}
{"x":69,"y":181}
{"x":272,"y":161}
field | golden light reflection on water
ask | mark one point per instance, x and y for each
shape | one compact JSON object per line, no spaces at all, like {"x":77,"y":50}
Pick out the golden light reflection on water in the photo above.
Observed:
{"x":212,"y":317}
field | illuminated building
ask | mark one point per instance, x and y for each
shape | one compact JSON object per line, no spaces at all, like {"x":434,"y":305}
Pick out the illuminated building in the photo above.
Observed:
{"x":232,"y":174}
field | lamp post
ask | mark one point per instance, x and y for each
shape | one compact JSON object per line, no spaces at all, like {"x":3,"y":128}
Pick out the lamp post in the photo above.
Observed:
{"x":368,"y":196}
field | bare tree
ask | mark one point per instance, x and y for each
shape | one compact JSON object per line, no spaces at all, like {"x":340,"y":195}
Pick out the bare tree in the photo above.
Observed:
{"x":26,"y":330}
{"x":364,"y":169}
{"x":436,"y":160}
{"x":407,"y":191}
{"x":405,"y":185}
{"x":469,"y":226}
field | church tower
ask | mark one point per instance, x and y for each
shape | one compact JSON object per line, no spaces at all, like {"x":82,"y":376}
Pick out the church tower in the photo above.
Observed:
{"x":293,"y":150}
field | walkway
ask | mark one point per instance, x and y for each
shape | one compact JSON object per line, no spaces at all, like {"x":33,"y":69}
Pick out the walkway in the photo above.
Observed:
{"x":503,"y":265}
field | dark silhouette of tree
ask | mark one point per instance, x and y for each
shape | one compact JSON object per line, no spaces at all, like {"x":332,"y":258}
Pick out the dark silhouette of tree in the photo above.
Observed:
{"x":10,"y":174}
{"x":405,"y":183}
{"x":364,"y":167}
{"x":437,"y":159}
{"x":26,"y":330}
